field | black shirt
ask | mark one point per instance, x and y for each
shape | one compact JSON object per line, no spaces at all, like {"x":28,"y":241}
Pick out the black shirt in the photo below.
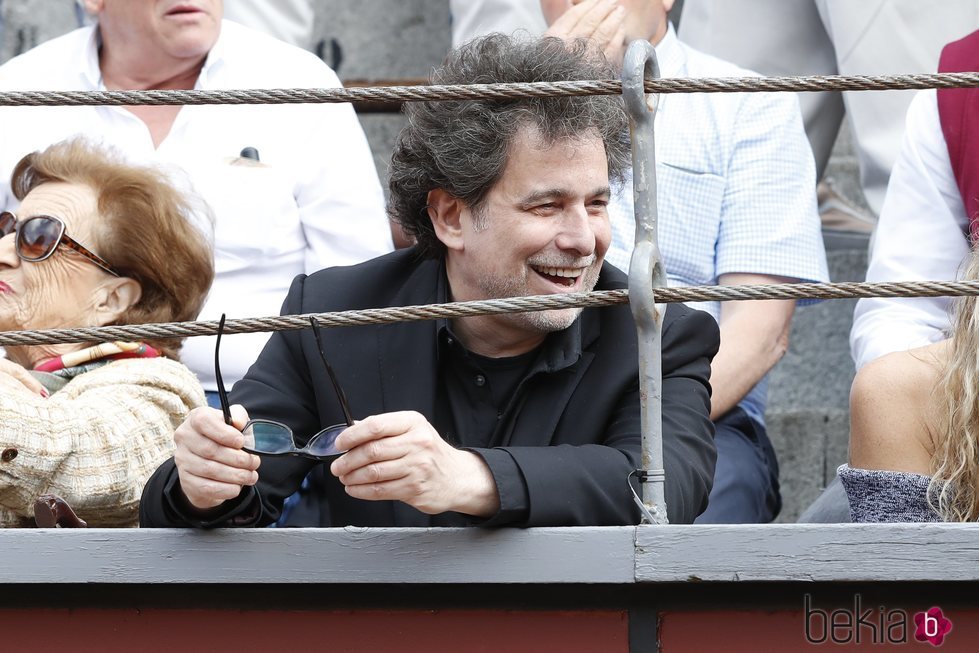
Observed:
{"x":476,"y":391}
{"x":479,"y":399}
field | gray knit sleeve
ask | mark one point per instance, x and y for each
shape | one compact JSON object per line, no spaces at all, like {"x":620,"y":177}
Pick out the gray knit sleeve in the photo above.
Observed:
{"x":883,"y":496}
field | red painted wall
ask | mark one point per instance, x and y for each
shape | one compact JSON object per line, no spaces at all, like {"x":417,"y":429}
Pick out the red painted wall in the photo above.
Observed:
{"x":213,"y":631}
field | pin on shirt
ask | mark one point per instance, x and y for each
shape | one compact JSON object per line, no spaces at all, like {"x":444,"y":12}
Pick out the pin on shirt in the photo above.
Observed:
{"x":247,"y":157}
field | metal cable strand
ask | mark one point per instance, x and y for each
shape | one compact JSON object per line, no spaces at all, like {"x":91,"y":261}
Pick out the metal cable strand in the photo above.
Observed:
{"x":594,"y":299}
{"x":337,"y":319}
{"x":488,"y":91}
{"x":813,"y":83}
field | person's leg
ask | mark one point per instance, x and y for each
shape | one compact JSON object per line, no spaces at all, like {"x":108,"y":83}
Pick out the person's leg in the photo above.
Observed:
{"x":472,"y":18}
{"x":882,"y":37}
{"x":288,"y":20}
{"x":772,"y":37}
{"x":746,"y":477}
{"x":830,"y":507}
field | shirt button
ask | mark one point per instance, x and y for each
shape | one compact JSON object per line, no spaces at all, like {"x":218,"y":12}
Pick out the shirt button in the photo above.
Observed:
{"x":480,"y":380}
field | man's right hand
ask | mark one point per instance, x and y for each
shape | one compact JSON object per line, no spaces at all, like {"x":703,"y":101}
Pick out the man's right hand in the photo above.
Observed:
{"x":210,"y":462}
{"x":602,"y":21}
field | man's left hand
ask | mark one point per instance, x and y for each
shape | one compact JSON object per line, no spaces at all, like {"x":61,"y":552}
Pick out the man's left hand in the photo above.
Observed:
{"x":401,"y":457}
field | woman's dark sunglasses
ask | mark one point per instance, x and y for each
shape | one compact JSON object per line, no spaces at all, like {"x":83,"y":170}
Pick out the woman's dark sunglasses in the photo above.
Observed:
{"x":38,"y":237}
{"x":268,"y":438}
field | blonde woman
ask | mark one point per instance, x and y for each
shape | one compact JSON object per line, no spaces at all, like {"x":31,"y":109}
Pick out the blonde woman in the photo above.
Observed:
{"x":914,"y":428}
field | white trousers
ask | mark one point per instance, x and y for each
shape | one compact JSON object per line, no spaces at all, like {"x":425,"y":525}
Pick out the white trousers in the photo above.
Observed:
{"x":287,"y":20}
{"x":828,"y":37}
{"x":472,"y":18}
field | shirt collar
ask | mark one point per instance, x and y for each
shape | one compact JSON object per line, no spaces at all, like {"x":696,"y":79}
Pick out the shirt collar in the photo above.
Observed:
{"x":215,"y":58}
{"x":560,"y":350}
{"x":90,"y":72}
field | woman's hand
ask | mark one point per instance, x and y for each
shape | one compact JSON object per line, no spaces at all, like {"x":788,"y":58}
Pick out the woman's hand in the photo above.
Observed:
{"x":18,"y":372}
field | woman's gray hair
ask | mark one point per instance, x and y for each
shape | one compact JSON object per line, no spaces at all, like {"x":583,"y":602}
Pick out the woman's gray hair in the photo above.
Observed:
{"x":462,"y":147}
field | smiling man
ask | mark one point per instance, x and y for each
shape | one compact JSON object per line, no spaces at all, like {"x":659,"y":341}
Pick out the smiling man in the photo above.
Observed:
{"x":529,"y":419}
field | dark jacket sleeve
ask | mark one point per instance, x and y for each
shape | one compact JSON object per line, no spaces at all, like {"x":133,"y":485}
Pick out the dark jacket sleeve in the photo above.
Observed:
{"x":587,"y":484}
{"x":689,"y":454}
{"x":276,"y":387}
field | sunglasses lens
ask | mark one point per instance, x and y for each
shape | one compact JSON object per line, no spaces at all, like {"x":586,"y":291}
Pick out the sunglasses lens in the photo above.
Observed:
{"x":37,"y":238}
{"x":267,"y":437}
{"x":8,"y":223}
{"x":323,"y":444}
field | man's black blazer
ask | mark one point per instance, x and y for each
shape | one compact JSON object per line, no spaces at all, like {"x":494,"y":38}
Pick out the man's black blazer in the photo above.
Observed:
{"x":575,"y":439}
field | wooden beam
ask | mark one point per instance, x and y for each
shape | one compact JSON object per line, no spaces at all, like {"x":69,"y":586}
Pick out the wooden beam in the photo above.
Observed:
{"x":808,"y":552}
{"x":386,"y":555}
{"x":626,"y":556}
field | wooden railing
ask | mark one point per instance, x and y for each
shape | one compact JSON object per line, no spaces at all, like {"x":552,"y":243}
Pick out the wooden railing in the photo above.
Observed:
{"x":689,"y":588}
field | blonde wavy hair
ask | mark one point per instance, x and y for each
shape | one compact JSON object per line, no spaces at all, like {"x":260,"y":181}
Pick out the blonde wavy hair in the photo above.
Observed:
{"x":954,"y":488}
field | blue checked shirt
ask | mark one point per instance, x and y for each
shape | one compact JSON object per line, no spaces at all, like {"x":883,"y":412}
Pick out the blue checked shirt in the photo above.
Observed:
{"x":736,"y":187}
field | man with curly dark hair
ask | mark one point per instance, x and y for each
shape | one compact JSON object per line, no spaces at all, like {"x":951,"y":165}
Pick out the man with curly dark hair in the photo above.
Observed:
{"x":528,"y":419}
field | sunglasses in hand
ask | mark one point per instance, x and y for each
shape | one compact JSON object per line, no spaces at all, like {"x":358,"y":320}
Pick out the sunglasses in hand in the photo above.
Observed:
{"x":267,"y":438}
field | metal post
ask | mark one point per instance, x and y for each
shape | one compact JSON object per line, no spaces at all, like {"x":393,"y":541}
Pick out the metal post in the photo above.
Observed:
{"x":646,"y":273}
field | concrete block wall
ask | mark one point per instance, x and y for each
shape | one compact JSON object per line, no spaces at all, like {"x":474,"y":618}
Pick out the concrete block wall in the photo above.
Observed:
{"x":377,"y":39}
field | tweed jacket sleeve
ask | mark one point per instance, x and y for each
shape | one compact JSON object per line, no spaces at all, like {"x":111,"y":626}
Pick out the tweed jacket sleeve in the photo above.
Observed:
{"x":95,"y":442}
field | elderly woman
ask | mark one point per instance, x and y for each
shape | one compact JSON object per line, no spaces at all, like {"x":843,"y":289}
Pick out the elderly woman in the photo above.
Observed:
{"x":914,"y":432}
{"x":94,"y":242}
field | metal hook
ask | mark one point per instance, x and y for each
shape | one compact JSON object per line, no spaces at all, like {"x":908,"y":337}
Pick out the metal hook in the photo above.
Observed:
{"x":646,"y":273}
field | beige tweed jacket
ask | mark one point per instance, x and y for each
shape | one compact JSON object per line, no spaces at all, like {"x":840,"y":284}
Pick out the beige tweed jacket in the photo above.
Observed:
{"x":95,"y":442}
